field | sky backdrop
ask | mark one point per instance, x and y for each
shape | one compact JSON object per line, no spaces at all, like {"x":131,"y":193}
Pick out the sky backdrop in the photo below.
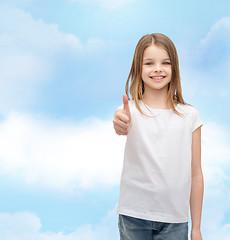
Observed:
{"x":63,"y":68}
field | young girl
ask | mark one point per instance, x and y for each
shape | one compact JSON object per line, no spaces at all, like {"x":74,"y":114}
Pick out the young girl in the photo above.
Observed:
{"x":162,"y":162}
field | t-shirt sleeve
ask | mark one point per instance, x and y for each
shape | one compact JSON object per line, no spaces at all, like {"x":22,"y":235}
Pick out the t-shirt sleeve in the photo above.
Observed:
{"x":196,"y":120}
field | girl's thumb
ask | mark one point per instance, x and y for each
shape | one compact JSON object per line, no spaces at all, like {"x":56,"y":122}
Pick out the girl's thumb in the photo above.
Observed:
{"x":126,"y":105}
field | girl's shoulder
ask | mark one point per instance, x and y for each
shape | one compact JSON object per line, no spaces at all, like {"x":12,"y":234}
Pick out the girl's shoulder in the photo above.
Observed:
{"x":187,"y":106}
{"x":193,"y":115}
{"x":187,"y":109}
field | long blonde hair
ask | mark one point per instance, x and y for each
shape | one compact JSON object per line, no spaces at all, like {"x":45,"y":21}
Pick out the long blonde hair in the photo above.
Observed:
{"x":135,"y":75}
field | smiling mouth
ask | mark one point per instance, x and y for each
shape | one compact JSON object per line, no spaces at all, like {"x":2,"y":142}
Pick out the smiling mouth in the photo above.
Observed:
{"x":157,"y":78}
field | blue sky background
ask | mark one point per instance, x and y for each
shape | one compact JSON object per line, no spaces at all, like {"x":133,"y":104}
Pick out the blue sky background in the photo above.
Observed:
{"x":63,"y":67}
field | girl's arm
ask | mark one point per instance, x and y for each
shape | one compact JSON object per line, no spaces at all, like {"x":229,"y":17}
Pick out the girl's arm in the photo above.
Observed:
{"x":197,"y":188}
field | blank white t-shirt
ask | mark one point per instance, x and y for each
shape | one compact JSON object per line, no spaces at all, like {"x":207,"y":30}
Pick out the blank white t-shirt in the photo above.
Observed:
{"x":156,"y":176}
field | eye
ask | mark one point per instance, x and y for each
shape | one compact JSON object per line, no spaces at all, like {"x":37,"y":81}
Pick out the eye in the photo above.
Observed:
{"x":148,"y":63}
{"x":166,"y":63}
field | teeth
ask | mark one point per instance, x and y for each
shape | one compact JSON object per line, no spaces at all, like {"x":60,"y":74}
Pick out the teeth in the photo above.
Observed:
{"x":157,"y":77}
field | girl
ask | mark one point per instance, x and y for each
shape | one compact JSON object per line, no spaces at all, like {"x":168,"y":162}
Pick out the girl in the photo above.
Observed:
{"x":162,"y":162}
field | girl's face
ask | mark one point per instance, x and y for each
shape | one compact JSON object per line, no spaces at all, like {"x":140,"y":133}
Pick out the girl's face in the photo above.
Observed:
{"x":156,"y":69}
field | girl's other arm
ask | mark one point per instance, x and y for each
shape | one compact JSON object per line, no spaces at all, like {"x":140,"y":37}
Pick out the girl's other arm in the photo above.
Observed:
{"x":197,"y":188}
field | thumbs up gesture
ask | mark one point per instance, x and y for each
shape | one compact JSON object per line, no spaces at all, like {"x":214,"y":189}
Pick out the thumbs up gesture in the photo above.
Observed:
{"x":122,"y":118}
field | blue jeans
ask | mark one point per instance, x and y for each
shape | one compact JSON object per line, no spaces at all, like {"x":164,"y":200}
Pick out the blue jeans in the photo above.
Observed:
{"x":138,"y":229}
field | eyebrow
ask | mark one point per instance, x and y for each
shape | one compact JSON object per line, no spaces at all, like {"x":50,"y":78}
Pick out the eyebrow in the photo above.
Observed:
{"x":153,"y":59}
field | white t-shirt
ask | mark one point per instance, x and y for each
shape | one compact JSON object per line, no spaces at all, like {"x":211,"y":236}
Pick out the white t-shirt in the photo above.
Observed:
{"x":156,"y":176}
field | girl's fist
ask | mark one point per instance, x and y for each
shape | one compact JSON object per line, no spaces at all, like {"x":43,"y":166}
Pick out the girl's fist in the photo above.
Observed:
{"x":122,"y":118}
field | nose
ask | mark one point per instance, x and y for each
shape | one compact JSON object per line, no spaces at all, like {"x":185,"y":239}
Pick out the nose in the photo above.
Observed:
{"x":157,"y":68}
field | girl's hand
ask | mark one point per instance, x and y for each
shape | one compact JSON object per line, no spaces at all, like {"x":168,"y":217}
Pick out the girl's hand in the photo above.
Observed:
{"x":196,"y":235}
{"x":122,"y":118}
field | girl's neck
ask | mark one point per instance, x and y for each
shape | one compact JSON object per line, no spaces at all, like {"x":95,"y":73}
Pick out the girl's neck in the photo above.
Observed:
{"x":156,"y":100}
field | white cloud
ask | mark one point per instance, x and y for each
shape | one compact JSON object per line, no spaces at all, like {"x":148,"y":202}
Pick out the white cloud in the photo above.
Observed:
{"x":213,"y":50}
{"x":219,"y":31}
{"x":20,"y":76}
{"x":206,"y":72}
{"x":108,"y":4}
{"x":216,"y":166}
{"x":27,"y":226}
{"x":31,"y":54}
{"x":21,"y":32}
{"x":61,"y":155}
{"x":28,"y":48}
{"x":216,"y":141}
{"x":14,"y":225}
{"x":64,"y":155}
